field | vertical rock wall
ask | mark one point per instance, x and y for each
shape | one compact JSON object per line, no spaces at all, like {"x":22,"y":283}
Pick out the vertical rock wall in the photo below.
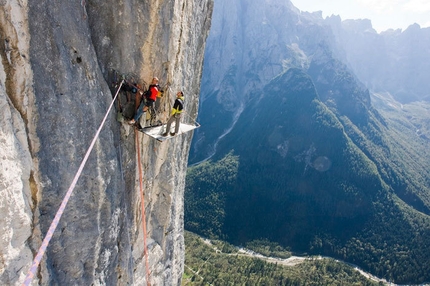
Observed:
{"x":54,"y":91}
{"x":17,"y":143}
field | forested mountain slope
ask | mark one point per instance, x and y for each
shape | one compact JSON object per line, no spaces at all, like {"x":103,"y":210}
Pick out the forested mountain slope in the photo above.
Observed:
{"x":298,"y":148}
{"x":299,"y":172}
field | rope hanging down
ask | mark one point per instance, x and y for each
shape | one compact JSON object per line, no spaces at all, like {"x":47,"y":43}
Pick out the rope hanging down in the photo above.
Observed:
{"x":54,"y":224}
{"x":142,"y":202}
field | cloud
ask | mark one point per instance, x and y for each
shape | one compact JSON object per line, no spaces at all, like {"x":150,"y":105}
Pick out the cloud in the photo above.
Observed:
{"x":386,"y":6}
{"x":381,"y":6}
{"x":417,"y":6}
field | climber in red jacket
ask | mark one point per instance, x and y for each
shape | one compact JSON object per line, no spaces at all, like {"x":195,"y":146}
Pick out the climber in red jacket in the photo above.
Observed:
{"x":150,"y":98}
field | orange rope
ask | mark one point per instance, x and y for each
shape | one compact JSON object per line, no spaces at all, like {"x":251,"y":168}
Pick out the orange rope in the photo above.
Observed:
{"x":142,"y":202}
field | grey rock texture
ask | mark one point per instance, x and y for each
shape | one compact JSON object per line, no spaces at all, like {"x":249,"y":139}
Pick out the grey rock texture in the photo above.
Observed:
{"x":56,"y":57}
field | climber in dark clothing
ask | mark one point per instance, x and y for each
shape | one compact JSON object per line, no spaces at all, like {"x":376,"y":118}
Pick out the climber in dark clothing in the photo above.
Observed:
{"x":129,"y":88}
{"x":154,"y":90}
{"x":175,"y":114}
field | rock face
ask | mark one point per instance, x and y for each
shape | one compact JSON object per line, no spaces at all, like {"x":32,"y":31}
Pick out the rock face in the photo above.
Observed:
{"x":249,"y":44}
{"x":54,"y":93}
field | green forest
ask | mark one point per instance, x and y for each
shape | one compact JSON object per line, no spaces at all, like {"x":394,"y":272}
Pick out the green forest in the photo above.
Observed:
{"x":213,"y":262}
{"x":389,"y":244}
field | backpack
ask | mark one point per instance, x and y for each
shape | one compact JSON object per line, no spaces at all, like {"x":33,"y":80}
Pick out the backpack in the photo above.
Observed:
{"x":181,"y":105}
{"x":129,"y":87}
{"x":147,"y":93}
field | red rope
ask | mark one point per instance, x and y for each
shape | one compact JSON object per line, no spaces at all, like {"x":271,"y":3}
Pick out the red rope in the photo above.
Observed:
{"x":142,"y":202}
{"x":32,"y":272}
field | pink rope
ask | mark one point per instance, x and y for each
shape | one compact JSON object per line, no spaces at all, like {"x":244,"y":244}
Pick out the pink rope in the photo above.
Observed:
{"x":32,"y":272}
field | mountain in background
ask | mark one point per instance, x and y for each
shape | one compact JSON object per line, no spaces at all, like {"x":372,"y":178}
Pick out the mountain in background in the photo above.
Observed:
{"x":299,"y":153}
{"x":251,"y":43}
{"x":393,"y":61}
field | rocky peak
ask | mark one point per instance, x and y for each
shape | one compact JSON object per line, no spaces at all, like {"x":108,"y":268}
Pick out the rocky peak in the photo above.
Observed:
{"x":393,"y":61}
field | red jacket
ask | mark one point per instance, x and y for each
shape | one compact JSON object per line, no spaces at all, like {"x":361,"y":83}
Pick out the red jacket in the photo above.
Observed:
{"x":153,"y":92}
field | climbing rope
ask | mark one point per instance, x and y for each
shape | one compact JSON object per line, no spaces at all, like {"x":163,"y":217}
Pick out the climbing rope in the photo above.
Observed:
{"x":32,"y":272}
{"x":193,"y":120}
{"x":142,"y":202}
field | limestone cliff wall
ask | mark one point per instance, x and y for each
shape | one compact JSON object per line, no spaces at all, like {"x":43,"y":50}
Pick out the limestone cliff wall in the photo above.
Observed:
{"x":56,"y":57}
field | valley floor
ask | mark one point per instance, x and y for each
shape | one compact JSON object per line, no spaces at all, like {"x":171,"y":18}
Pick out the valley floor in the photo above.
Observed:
{"x":287,"y":262}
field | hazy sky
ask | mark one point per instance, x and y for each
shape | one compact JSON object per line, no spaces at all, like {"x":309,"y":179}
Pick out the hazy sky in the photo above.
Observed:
{"x":384,"y":14}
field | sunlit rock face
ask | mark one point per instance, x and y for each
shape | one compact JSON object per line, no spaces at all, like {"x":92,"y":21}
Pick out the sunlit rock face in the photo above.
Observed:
{"x":56,"y":61}
{"x":250,"y":43}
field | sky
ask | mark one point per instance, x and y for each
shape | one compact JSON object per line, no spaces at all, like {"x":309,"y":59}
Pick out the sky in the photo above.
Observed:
{"x":384,"y":14}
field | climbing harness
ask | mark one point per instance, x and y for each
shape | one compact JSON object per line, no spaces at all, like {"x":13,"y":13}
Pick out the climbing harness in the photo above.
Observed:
{"x":32,"y":272}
